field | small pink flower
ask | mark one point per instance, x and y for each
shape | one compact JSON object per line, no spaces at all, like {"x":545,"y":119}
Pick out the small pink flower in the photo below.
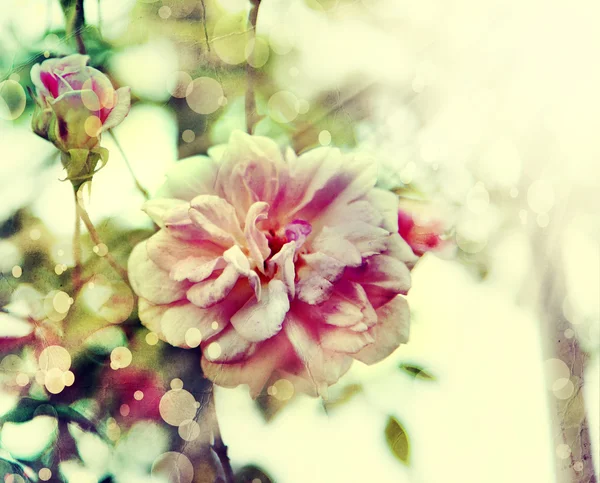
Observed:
{"x":420,"y":232}
{"x":286,"y":266}
{"x":75,"y":103}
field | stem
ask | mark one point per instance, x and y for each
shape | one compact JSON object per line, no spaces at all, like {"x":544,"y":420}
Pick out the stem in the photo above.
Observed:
{"x":78,"y":25}
{"x":83,"y":214}
{"x":76,"y":275}
{"x":140,"y":188}
{"x":218,"y":445}
{"x":251,"y":71}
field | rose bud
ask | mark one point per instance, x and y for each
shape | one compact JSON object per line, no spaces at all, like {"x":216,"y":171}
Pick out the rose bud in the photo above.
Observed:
{"x":75,"y":104}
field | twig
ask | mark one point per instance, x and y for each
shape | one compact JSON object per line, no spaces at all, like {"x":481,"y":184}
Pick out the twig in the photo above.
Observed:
{"x":251,"y":71}
{"x":204,"y":23}
{"x":83,"y":214}
{"x":140,"y":188}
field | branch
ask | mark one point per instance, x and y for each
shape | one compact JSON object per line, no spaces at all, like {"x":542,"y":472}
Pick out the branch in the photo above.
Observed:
{"x":251,"y":71}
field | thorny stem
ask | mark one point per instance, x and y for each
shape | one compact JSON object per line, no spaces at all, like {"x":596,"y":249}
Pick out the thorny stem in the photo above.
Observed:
{"x":250,"y":70}
{"x":140,"y":188}
{"x":83,"y":214}
{"x":76,"y":275}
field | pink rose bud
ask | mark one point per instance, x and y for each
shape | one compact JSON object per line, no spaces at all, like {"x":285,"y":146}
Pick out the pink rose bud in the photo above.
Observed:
{"x":422,"y":234}
{"x":75,"y":103}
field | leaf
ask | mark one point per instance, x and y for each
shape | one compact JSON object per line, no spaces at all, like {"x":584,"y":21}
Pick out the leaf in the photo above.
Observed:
{"x":12,"y":467}
{"x":28,"y":408}
{"x":417,"y":372}
{"x":397,"y":440}
{"x":346,"y":394}
{"x":252,"y":474}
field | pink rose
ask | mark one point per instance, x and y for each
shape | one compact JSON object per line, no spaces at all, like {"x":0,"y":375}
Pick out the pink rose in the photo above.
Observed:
{"x":75,"y":103}
{"x":278,"y":265}
{"x":421,"y":232}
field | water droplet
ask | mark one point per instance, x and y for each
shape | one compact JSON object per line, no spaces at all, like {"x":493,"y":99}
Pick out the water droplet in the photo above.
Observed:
{"x":121,"y":357}
{"x":12,"y":100}
{"x":282,"y":107}
{"x":138,"y":395}
{"x":173,"y":467}
{"x":213,"y":351}
{"x":17,"y":271}
{"x":188,"y":136}
{"x":203,"y":95}
{"x":151,"y":338}
{"x":324,"y":138}
{"x":193,"y":337}
{"x":177,"y":406}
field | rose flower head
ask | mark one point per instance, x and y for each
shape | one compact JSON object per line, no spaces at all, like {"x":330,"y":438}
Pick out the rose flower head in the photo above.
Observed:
{"x":75,"y":104}
{"x":277,"y":265}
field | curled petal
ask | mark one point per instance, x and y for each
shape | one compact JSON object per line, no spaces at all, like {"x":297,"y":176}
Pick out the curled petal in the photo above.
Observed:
{"x":167,"y":252}
{"x":260,"y":320}
{"x":238,"y":260}
{"x":116,"y":114}
{"x":215,"y":289}
{"x":230,"y":347}
{"x":282,"y":266}
{"x":256,"y":239}
{"x":161,"y":209}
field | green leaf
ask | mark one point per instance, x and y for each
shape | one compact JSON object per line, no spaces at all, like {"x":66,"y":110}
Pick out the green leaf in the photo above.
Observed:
{"x":250,"y":474}
{"x":397,"y":440}
{"x":12,"y":467}
{"x":417,"y":372}
{"x":28,"y":408}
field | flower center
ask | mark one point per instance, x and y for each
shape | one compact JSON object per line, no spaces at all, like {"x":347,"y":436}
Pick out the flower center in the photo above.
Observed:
{"x":297,"y":230}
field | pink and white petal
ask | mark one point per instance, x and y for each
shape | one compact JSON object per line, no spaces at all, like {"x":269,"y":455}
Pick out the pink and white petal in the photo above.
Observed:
{"x":260,"y":320}
{"x":387,"y":204}
{"x":161,"y":209}
{"x":324,"y":367}
{"x":281,"y":265}
{"x":255,"y":371}
{"x":178,"y":319}
{"x":120,"y":110}
{"x":217,"y":218}
{"x":331,"y":242}
{"x":359,"y":210}
{"x":196,"y":269}
{"x":391,"y":330}
{"x":191,"y":177}
{"x":383,"y":277}
{"x":398,"y":248}
{"x":151,"y":315}
{"x":236,"y":258}
{"x":312,"y":288}
{"x":348,"y":306}
{"x":368,"y":239}
{"x":228,"y":346}
{"x":325,"y":266}
{"x":149,"y":281}
{"x":215,"y":289}
{"x":256,"y":240}
{"x":344,"y":340}
{"x":166,"y":250}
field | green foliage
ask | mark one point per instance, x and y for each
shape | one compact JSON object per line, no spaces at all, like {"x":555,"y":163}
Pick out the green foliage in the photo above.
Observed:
{"x":12,"y":468}
{"x":417,"y":372}
{"x":28,"y":408}
{"x":397,"y":440}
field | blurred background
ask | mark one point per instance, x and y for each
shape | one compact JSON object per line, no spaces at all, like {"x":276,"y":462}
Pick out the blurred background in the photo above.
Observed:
{"x":481,"y":114}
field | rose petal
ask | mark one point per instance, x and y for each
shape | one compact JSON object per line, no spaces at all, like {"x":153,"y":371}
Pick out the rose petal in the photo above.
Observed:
{"x":119,"y":111}
{"x":281,"y":265}
{"x":391,"y":330}
{"x":254,"y":371}
{"x":215,"y":289}
{"x":191,"y":177}
{"x":166,"y":251}
{"x":260,"y":320}
{"x":383,"y":277}
{"x":323,"y":367}
{"x":149,"y":281}
{"x":217,"y":219}
{"x":256,"y":240}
